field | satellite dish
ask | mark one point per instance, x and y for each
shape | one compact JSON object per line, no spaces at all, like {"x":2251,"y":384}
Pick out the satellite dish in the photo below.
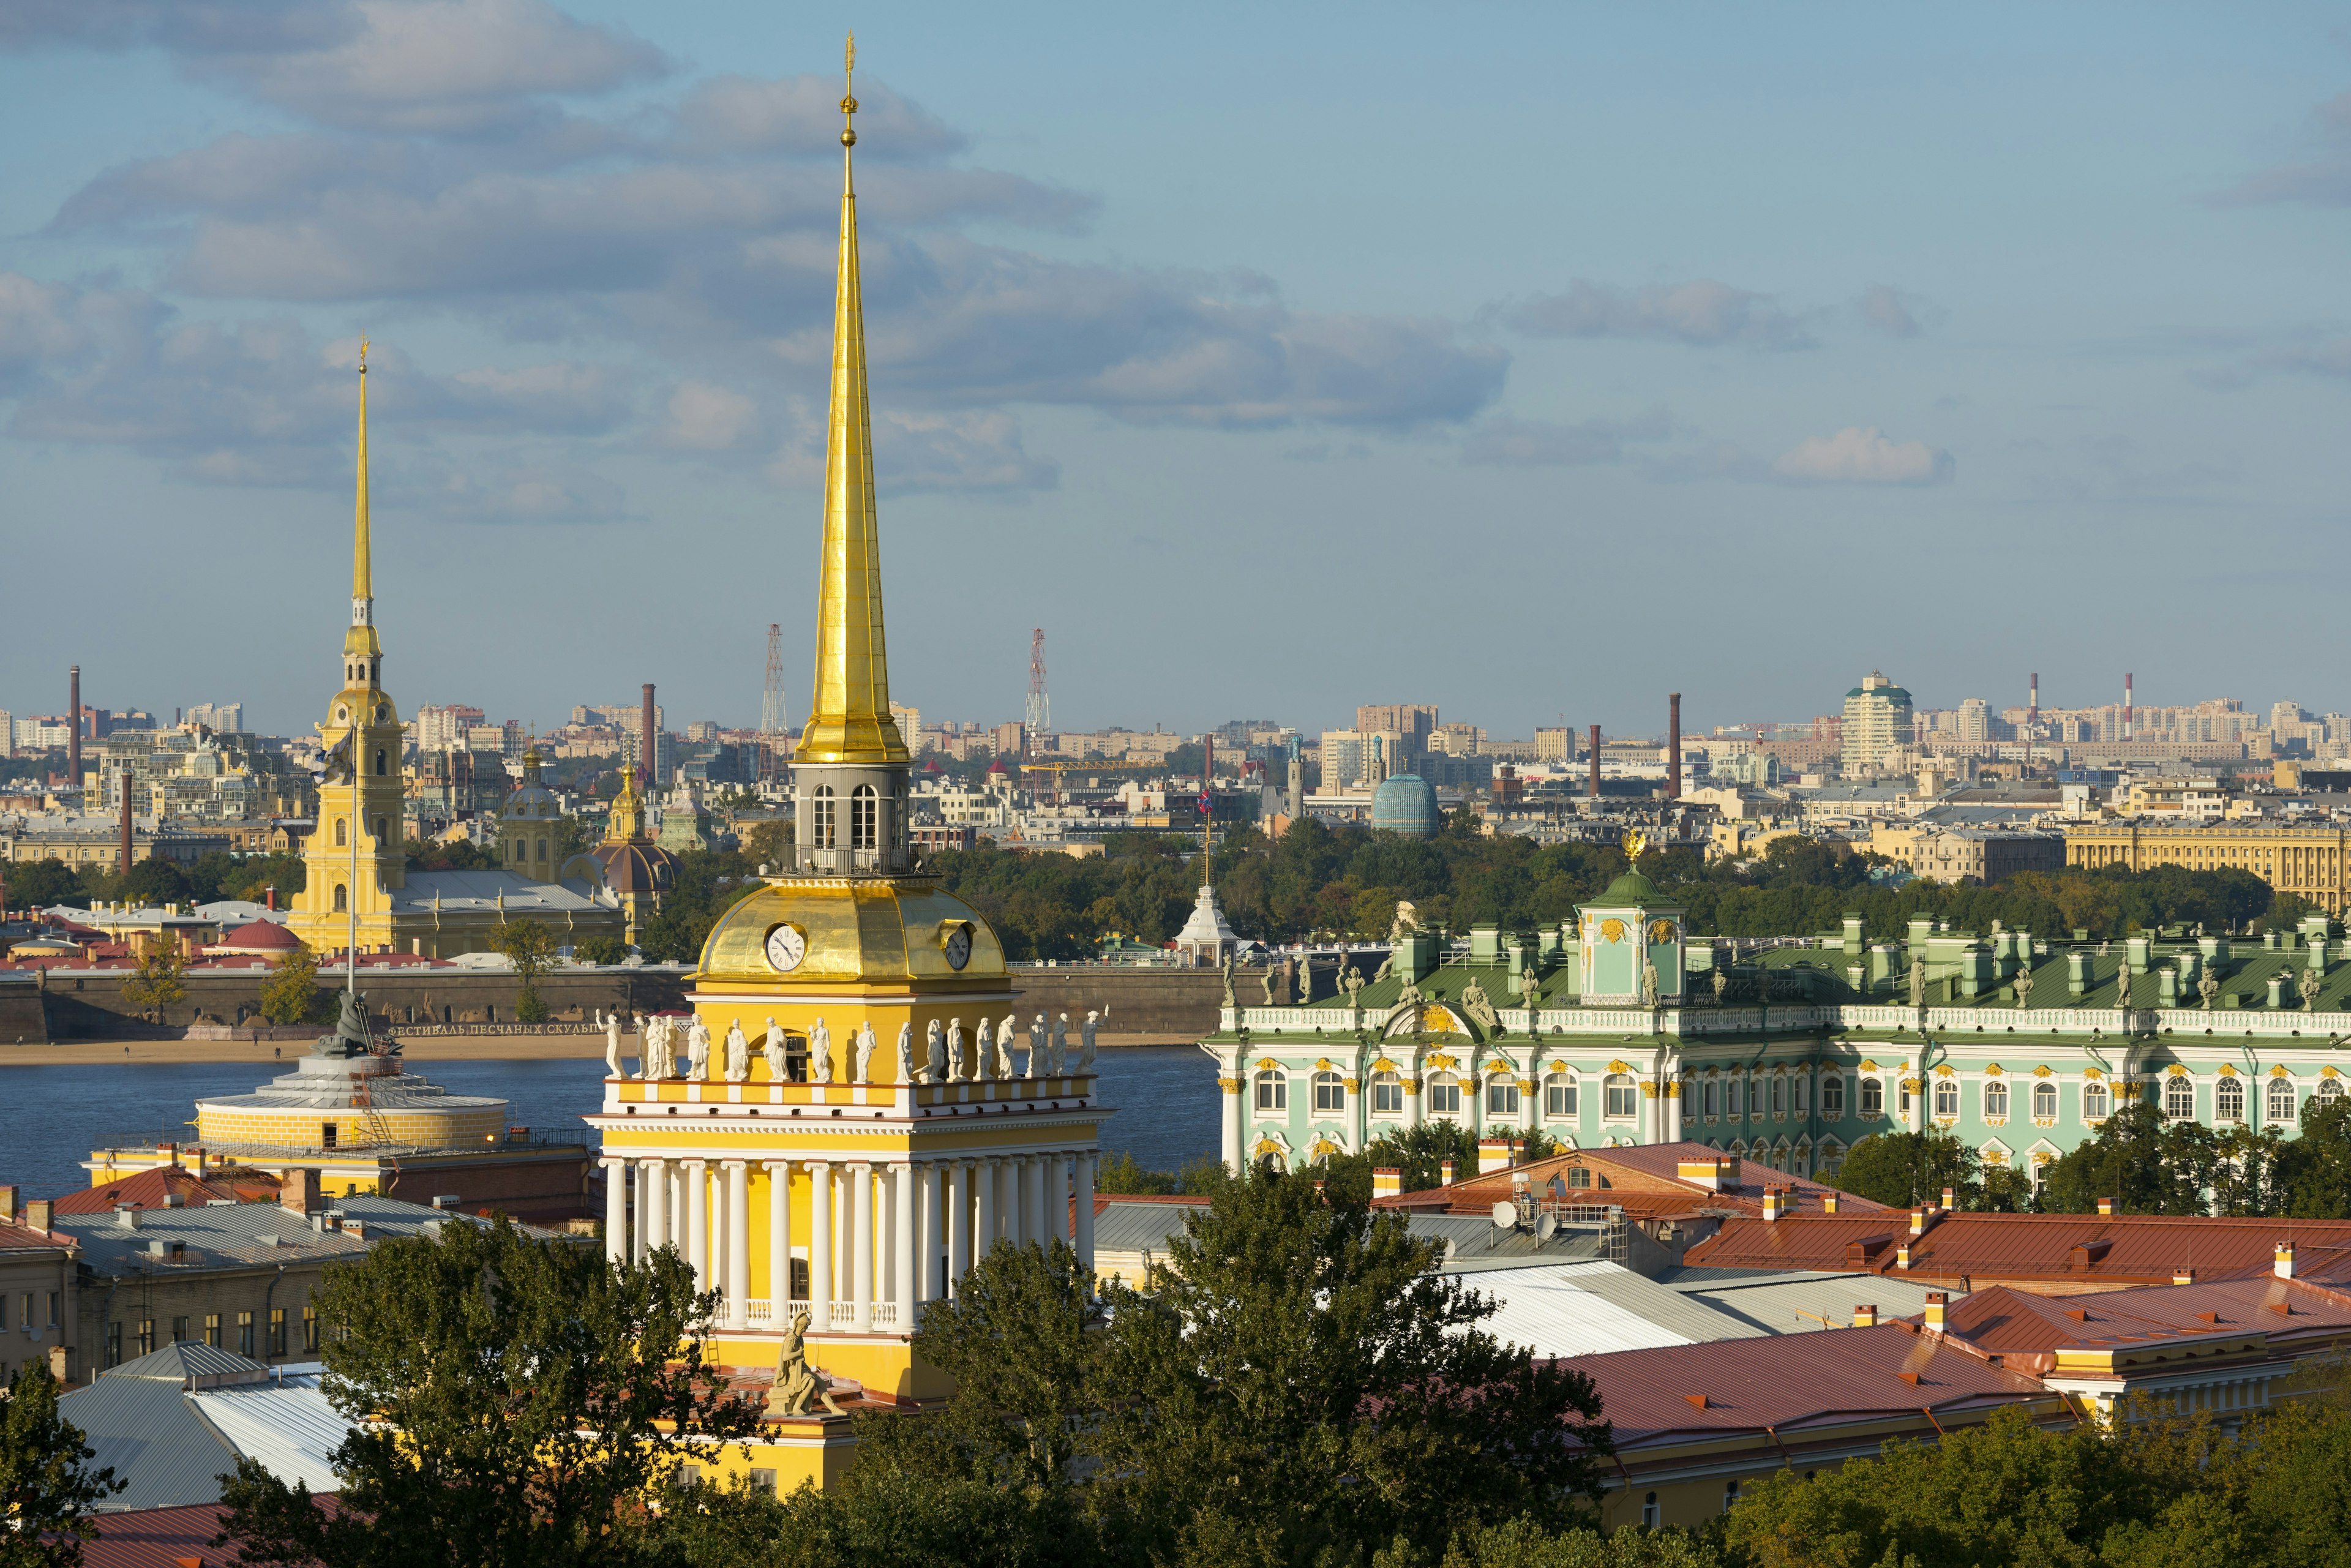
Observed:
{"x":1505,"y":1215}
{"x":1546,"y":1228}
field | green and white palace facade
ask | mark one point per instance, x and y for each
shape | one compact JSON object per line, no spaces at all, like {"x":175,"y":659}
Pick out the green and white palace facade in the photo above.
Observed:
{"x":1617,"y":1027}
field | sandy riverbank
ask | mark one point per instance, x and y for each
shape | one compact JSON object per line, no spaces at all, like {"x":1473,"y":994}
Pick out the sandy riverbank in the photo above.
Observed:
{"x":443,"y":1048}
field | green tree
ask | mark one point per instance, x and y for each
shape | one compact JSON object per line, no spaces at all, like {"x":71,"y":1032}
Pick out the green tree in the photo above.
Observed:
{"x":1523,"y":1543}
{"x":1019,"y":1340}
{"x":157,"y":983}
{"x":523,"y":1400}
{"x":153,"y":882}
{"x":2149,"y":1166}
{"x":1420,"y":1153}
{"x":42,"y":884}
{"x":46,"y":1482}
{"x":2314,"y":1171}
{"x":1305,"y":1386}
{"x":1908,"y":1168}
{"x":530,"y":948}
{"x":600,"y":950}
{"x":769,"y":844}
{"x":290,"y":995}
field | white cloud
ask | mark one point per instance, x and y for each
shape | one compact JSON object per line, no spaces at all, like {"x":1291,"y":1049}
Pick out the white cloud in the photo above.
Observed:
{"x":1705,"y":313}
{"x":706,"y":418}
{"x":1861,"y":456}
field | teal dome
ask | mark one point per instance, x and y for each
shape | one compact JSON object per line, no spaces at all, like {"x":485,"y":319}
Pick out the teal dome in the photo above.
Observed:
{"x":1633,"y":888}
{"x":1406,"y":804}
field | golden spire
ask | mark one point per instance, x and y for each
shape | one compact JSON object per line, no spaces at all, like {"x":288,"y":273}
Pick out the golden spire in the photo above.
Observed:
{"x":361,"y":639}
{"x":628,"y":818}
{"x":848,"y":717}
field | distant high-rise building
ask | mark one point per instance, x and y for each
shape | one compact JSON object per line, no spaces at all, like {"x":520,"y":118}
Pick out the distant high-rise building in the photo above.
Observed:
{"x":910,"y":725}
{"x":223,"y":718}
{"x":1552,"y":743}
{"x":1974,"y":721}
{"x":1877,"y":719}
{"x":1413,"y":721}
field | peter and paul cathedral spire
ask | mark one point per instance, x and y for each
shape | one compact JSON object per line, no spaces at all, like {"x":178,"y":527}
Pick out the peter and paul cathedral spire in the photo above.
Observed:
{"x":362,"y":655}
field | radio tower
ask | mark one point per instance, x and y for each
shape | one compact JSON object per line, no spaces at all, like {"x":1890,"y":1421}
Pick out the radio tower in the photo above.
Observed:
{"x":1040,"y":706}
{"x":771,"y":701}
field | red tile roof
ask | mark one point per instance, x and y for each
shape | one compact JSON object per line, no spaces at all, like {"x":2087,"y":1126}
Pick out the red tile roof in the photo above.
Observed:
{"x":149,"y":1188}
{"x":259,"y":935}
{"x":21,"y":1237}
{"x":162,"y":1537}
{"x":1792,"y":1387}
{"x":2027,"y":1331}
{"x":2078,"y":1248}
{"x":1661,"y":1195}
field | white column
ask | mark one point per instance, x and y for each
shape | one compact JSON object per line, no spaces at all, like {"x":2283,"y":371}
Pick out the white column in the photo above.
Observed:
{"x":698,"y":1221}
{"x":931,"y":1238}
{"x":819,"y":1245}
{"x":983,"y":1188}
{"x":885,"y":1241}
{"x":861,"y":1247}
{"x":739,"y":1244}
{"x":906,"y":1242}
{"x":1035,"y":1178}
{"x":1234,"y":1087}
{"x":1058,"y":1216}
{"x":1085,"y":1179}
{"x":780,"y":1243}
{"x":616,"y":1212}
{"x":1021,"y":1200}
{"x":674,"y":1195}
{"x":959,"y":1223}
{"x":653,"y":1204}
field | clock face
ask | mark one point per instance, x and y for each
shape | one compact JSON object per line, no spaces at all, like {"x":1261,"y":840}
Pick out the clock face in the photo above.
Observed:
{"x":786,"y":945}
{"x":958,"y":947}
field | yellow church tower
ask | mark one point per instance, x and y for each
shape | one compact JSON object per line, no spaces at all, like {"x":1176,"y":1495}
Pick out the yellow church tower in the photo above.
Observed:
{"x":354,"y":860}
{"x":849,"y":1118}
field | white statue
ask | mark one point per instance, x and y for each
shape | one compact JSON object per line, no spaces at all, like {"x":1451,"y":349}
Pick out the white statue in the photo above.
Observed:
{"x":955,"y":1047}
{"x":983,"y":1050}
{"x":935,"y":1045}
{"x":1057,"y":1052}
{"x":1037,"y":1034}
{"x":739,"y":1053}
{"x":613,"y":1045}
{"x":778,"y":1061}
{"x":864,"y":1053}
{"x":819,"y":1053}
{"x":655,"y":1060}
{"x":906,"y":1051}
{"x":1086,"y":1036}
{"x":1004,"y":1044}
{"x":698,"y":1047}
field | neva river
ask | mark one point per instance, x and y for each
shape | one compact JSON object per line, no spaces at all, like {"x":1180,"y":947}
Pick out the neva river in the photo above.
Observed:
{"x":1164,"y":1096}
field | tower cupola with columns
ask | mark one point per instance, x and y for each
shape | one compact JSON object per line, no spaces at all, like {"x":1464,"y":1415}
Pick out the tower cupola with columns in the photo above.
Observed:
{"x":882,"y":1122}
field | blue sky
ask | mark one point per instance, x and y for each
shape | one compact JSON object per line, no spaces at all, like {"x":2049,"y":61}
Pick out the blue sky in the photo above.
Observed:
{"x":1532,"y":360}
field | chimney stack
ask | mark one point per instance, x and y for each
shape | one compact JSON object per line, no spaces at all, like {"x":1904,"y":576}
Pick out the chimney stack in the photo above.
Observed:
{"x":2032,"y":701}
{"x":38,"y":1214}
{"x":648,"y":750}
{"x":2107,"y":1208}
{"x":1387,"y":1181}
{"x":1673,"y":746}
{"x":1865,"y":1317}
{"x":294,"y":1191}
{"x":1770,"y":1204}
{"x":1951,"y":1198}
{"x":1938,"y":1305}
{"x":2129,"y":716}
{"x":1594,"y":790}
{"x":1444,"y":1173}
{"x":2283,"y":1266}
{"x":1828,"y":1201}
{"x":73,"y":728}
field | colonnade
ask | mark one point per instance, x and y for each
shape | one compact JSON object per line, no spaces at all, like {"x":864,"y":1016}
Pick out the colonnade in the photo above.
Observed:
{"x":883,"y":1236}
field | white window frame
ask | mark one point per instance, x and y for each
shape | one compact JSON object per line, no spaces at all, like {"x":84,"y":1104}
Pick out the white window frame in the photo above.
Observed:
{"x":1333,"y":1087}
{"x":1272,"y":1092}
{"x":2178,"y":1089}
{"x":1445,"y":1095}
{"x":1504,"y":1088}
{"x":1560,"y":1097}
{"x":1629,"y":1087}
{"x":1946,"y":1090}
{"x":2282,"y":1089}
{"x":2044,"y":1090}
{"x":1387,"y":1087}
{"x":1832,"y":1096}
{"x":2096,"y":1093}
{"x":1995,"y":1100}
{"x":2226,"y":1090}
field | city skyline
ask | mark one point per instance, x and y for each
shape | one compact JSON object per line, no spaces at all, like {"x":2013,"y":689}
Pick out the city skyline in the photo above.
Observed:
{"x":1204,"y":349}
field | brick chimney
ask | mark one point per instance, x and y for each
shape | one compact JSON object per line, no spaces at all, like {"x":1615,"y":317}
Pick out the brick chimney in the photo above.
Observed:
{"x":1828,"y":1201}
{"x":38,"y":1214}
{"x":1951,"y":1198}
{"x":1902,"y":1256}
{"x":2107,"y":1208}
{"x":2183,"y":1276}
{"x":1493,"y":1155}
{"x":1938,"y":1305}
{"x":1444,"y":1173}
{"x":1865,"y":1317}
{"x":8,"y":1205}
{"x":1770,"y":1204}
{"x":294,"y":1191}
{"x":2282,"y":1268}
{"x":1387,"y":1181}
{"x":1918,"y":1222}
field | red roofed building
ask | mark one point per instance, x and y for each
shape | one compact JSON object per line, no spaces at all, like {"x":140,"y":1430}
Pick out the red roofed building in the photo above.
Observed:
{"x":2063,"y":1254}
{"x":165,"y":1538}
{"x":260,"y":939}
{"x":172,"y":1186}
{"x":1675,"y":1194}
{"x":1695,"y":1424}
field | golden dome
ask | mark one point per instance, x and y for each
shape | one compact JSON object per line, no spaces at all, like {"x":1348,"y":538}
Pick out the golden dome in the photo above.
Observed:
{"x":858,"y":932}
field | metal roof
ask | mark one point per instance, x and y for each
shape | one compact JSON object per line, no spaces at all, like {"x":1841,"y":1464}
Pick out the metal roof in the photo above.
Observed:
{"x":1799,"y":1302}
{"x":284,"y":1426}
{"x":166,"y":1444}
{"x":245,"y":1235}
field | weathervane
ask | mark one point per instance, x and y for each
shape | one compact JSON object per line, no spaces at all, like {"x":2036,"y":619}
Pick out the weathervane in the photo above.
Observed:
{"x":848,"y":97}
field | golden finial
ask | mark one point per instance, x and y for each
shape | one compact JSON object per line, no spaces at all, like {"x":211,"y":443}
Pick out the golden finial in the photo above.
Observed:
{"x":1635,"y":842}
{"x":848,"y":97}
{"x":363,"y":356}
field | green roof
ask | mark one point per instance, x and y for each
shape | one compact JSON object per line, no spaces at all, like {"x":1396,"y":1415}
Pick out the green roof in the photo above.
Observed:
{"x":1632,"y":888}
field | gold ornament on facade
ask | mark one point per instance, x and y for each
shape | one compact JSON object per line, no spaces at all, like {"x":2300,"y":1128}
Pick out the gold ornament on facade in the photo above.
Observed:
{"x":2042,"y":1071}
{"x":1991,"y":1069}
{"x":1612,"y":929}
{"x":2280,"y":1071}
{"x":1620,"y":1067}
{"x":1661,"y":931}
{"x":2174,"y":1070}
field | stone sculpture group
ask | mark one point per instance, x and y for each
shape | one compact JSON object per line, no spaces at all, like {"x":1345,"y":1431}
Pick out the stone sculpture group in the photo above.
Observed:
{"x":1047,"y":1051}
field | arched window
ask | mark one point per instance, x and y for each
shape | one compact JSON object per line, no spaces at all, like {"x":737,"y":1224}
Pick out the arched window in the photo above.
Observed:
{"x":1946,"y":1097}
{"x":1578,"y":1176}
{"x":1330,"y":1094}
{"x":1623,"y":1097}
{"x":1559,"y":1097}
{"x":1713,"y":1098}
{"x":2045,"y":1101}
{"x":1502,"y":1096}
{"x":863,"y":807}
{"x":1903,"y":1102}
{"x":339,"y":839}
{"x":2095,"y":1100}
{"x":2228,"y":1100}
{"x":380,"y":767}
{"x":1272,"y":1091}
{"x":2330,"y":1090}
{"x":515,"y":845}
{"x":2280,"y":1100}
{"x":821,"y":829}
{"x":2179,"y":1098}
{"x":1388,"y":1095}
{"x":1832,"y":1096}
{"x":1873,"y":1097}
{"x":1444,"y":1095}
{"x":1779,"y":1096}
{"x":1799,"y":1088}
{"x":1729,"y":1495}
{"x":1996,"y":1099}
{"x":542,"y":849}
{"x":342,"y":901}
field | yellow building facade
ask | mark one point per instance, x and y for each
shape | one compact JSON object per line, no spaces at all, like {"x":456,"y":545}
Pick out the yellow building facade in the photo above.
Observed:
{"x":2308,"y":861}
{"x":850,"y":1118}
